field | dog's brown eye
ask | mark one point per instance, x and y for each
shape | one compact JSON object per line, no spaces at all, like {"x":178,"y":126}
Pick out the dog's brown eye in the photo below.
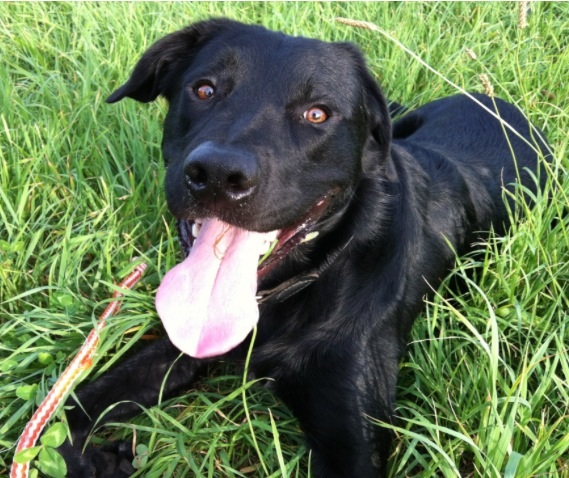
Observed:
{"x":315,"y":115}
{"x":204,"y":91}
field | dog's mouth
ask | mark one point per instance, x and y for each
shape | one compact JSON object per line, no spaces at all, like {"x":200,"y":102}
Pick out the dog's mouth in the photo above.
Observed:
{"x":276,"y":244}
{"x":208,"y":302}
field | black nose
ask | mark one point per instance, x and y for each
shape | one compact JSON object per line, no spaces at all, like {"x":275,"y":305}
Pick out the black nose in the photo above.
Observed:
{"x":220,"y":174}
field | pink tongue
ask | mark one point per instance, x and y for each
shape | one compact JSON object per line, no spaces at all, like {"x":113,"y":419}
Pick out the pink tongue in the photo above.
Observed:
{"x":207,"y":303}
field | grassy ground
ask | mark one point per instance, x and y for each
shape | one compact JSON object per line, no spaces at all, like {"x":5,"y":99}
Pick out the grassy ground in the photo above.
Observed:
{"x":484,"y":389}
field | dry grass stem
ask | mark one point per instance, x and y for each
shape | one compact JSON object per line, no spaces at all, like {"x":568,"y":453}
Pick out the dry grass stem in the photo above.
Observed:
{"x":523,"y":8}
{"x":488,"y":88}
{"x":357,"y":23}
{"x":471,"y":53}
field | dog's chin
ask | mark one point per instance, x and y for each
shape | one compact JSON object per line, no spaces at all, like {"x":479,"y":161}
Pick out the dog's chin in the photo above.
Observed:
{"x":280,"y":242}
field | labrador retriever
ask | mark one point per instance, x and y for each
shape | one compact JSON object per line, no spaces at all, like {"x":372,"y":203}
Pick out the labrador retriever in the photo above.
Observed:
{"x":271,"y":139}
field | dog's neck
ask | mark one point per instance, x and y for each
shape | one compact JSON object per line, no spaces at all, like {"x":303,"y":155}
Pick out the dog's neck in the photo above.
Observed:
{"x":295,"y":284}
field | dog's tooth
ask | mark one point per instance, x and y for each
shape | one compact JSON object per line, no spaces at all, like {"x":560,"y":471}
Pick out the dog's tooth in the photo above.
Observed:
{"x":265,"y":248}
{"x":196,"y":227}
{"x":310,"y":236}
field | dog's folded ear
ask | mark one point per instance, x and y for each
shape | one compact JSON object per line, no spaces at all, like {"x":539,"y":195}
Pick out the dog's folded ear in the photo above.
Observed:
{"x":378,"y":111}
{"x":152,"y":72}
{"x":375,"y":104}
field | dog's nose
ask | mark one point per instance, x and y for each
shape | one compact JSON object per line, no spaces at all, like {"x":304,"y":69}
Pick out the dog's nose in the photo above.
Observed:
{"x":220,"y":174}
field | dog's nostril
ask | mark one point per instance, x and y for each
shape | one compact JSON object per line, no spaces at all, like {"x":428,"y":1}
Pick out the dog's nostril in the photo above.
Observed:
{"x":196,"y":175}
{"x":237,"y":182}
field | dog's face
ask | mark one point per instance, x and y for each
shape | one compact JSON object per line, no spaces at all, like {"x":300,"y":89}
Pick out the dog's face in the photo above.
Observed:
{"x":267,"y":136}
{"x":262,"y":128}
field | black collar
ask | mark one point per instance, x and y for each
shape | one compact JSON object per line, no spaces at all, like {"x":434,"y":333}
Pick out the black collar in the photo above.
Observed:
{"x":295,"y":284}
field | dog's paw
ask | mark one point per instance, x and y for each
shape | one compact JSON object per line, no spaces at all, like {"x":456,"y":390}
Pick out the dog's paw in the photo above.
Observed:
{"x":110,"y":461}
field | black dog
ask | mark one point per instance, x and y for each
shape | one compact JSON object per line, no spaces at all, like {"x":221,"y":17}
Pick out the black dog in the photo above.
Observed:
{"x":270,"y":135}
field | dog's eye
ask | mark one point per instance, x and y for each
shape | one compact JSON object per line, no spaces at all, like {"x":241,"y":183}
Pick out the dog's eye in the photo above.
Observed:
{"x":205,"y":91}
{"x":315,"y":115}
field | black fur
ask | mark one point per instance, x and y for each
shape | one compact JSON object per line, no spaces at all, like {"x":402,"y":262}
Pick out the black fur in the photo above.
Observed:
{"x":404,"y":200}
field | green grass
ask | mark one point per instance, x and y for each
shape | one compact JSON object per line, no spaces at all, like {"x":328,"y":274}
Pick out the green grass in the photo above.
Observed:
{"x":484,"y":388}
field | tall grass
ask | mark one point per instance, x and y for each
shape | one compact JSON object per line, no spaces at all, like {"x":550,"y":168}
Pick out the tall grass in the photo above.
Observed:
{"x":484,"y":388}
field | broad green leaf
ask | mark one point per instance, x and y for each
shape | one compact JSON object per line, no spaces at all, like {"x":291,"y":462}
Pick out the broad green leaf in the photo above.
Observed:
{"x":27,"y":455}
{"x":55,"y":435}
{"x":26,"y":392}
{"x":141,"y":457}
{"x":51,"y":463}
{"x":45,"y":358}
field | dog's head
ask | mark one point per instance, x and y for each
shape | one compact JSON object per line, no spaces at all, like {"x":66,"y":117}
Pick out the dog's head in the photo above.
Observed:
{"x":265,"y":132}
{"x":261,"y":126}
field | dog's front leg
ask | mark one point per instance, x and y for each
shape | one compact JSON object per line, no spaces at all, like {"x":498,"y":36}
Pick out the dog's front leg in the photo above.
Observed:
{"x":335,"y":400}
{"x":158,"y":370}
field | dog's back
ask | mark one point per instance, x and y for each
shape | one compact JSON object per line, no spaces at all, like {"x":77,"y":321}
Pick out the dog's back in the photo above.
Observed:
{"x":478,"y":147}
